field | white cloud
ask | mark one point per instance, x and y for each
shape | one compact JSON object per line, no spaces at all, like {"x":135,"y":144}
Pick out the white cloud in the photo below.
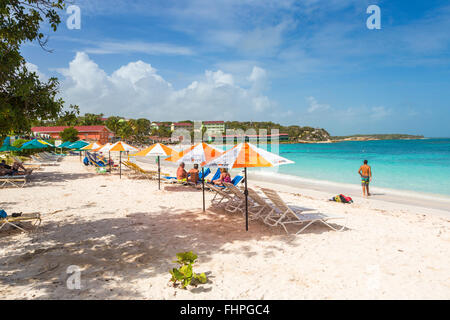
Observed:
{"x":116,"y":47}
{"x":34,"y":68}
{"x":315,"y":106}
{"x":137,"y":90}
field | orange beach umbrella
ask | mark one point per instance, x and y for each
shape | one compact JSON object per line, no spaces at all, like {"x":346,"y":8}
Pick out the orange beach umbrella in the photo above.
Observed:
{"x":121,"y":146}
{"x":157,"y":150}
{"x":246,"y":155}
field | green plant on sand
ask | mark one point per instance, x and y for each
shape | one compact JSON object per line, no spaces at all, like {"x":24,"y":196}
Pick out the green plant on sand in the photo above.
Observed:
{"x":185,"y":275}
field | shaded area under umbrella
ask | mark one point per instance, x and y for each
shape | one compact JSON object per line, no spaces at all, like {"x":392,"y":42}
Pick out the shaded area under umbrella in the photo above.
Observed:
{"x":246,"y":155}
{"x":197,"y":154}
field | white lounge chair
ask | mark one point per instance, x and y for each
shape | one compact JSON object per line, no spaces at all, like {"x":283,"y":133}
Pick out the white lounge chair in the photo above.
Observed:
{"x":264,"y":207}
{"x":44,"y":162}
{"x":17,"y":181}
{"x":283,"y":214}
{"x":254,"y":207}
{"x":220,"y":196}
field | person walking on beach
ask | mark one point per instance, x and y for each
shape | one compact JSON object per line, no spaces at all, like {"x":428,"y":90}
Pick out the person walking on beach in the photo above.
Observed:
{"x":366,"y":176}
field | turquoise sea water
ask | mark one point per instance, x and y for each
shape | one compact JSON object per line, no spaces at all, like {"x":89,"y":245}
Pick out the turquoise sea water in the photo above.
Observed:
{"x":416,"y":165}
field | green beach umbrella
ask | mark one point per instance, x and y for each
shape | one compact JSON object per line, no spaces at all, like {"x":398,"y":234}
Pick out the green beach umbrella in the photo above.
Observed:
{"x":65,"y":145}
{"x":7,"y":146}
{"x":33,"y":144}
{"x":78,"y":145}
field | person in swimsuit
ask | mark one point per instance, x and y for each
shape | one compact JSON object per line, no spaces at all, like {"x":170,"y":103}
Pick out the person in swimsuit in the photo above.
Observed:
{"x":224,"y":177}
{"x":181,"y":173}
{"x":365,"y":171}
{"x":193,"y":174}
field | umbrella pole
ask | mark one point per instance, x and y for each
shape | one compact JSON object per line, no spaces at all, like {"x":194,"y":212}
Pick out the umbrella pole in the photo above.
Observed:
{"x":159,"y":174}
{"x":246,"y":200}
{"x":120,"y":165}
{"x":109,"y":160}
{"x":203,"y":187}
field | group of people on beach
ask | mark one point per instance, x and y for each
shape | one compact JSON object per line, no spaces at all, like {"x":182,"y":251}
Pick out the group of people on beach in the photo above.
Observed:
{"x":16,"y":169}
{"x":193,"y":175}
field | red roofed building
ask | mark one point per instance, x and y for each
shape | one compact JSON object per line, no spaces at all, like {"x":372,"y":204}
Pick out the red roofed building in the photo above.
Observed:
{"x":89,"y":133}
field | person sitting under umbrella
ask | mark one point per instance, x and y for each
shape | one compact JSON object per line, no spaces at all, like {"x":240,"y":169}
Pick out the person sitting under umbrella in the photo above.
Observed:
{"x":181,"y":173}
{"x":224,"y":177}
{"x":193,"y":174}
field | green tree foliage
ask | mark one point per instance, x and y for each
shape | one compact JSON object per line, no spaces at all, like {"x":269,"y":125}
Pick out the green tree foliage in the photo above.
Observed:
{"x":24,"y":98}
{"x":91,"y":119}
{"x":113,"y":124}
{"x":69,"y":134}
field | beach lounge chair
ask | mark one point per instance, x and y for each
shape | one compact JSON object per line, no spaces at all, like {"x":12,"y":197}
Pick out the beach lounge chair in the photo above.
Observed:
{"x":92,"y":161}
{"x":215,"y":176}
{"x":49,"y":156}
{"x":16,"y":180}
{"x":235,"y":181}
{"x":45,"y":157}
{"x":44,"y":162}
{"x":282,"y":214}
{"x":264,"y":207}
{"x":220,"y":196}
{"x":35,"y":219}
{"x":200,"y":175}
{"x":31,"y":166}
{"x":254,"y":207}
{"x":138,"y":170}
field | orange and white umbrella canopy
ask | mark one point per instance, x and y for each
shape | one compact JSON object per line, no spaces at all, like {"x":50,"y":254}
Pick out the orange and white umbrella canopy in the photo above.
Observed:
{"x":246,"y":155}
{"x":122,"y":146}
{"x":155,"y":150}
{"x":104,"y":148}
{"x":92,"y":146}
{"x":198,"y":153}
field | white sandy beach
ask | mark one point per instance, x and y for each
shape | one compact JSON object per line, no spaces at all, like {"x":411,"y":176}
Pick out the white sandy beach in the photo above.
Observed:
{"x":124,"y":234}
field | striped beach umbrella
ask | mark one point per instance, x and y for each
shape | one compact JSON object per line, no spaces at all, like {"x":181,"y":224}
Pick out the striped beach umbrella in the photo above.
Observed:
{"x":198,"y":153}
{"x":246,"y":155}
{"x":157,"y":150}
{"x":92,"y":146}
{"x":120,"y":147}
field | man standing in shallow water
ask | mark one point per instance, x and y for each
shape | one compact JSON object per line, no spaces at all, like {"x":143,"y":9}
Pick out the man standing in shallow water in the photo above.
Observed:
{"x":366,"y":176}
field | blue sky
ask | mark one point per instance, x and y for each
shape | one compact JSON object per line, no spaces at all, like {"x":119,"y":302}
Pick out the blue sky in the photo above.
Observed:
{"x":311,"y":62}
